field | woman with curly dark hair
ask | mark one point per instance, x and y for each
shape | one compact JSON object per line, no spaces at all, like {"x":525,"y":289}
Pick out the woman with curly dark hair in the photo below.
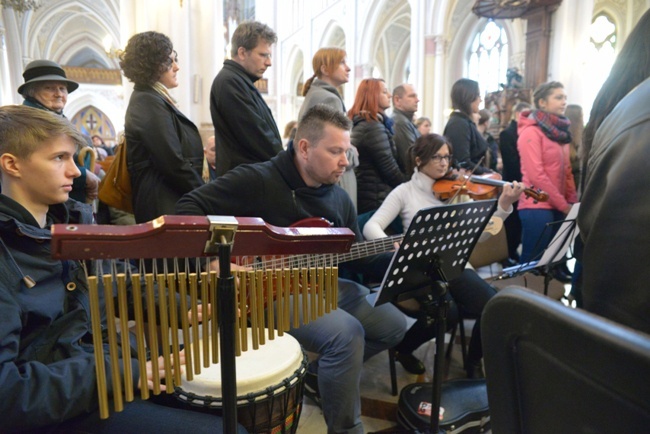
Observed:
{"x":164,"y":148}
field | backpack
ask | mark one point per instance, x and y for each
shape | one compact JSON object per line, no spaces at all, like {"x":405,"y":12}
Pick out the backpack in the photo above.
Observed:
{"x":115,"y":188}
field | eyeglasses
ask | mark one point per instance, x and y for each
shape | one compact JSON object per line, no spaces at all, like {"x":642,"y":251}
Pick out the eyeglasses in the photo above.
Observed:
{"x":438,"y":158}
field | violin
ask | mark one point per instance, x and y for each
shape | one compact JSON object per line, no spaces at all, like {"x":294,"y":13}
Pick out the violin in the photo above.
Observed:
{"x":478,"y":187}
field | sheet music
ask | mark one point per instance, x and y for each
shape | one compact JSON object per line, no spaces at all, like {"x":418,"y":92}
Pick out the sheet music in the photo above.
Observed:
{"x":563,"y":238}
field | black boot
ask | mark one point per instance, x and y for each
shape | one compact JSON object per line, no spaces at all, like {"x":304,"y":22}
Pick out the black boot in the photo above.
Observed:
{"x":411,"y":363}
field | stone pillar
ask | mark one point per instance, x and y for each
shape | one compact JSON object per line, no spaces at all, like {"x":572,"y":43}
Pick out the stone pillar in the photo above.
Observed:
{"x":435,"y":52}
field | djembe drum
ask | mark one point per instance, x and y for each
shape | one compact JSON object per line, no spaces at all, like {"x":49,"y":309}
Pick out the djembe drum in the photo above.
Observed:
{"x":167,"y":292}
{"x":269,"y":387}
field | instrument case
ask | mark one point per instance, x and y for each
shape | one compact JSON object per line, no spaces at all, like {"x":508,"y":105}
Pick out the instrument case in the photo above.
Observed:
{"x":465,"y":405}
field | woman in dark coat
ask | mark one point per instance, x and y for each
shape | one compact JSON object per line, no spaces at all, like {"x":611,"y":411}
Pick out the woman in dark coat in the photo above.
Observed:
{"x":372,"y":134}
{"x":469,"y":145}
{"x":164,"y":148}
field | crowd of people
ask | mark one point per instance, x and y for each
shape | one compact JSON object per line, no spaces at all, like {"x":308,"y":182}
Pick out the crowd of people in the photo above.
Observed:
{"x":368,"y":168}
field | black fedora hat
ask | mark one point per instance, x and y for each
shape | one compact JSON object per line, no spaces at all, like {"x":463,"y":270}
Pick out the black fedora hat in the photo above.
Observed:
{"x":46,"y":70}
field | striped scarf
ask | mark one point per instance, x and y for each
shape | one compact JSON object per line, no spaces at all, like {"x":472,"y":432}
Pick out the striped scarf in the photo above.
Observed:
{"x":553,"y":126}
{"x":162,"y":90}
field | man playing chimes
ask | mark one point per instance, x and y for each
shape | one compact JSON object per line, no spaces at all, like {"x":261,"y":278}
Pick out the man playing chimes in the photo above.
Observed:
{"x":47,"y":365}
{"x":300,"y":183}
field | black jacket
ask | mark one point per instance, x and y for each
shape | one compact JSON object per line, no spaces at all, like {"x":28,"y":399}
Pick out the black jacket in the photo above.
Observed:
{"x":614,"y":215}
{"x":164,"y":154}
{"x":273,"y":191}
{"x":469,"y":146}
{"x":47,"y":364}
{"x":244,"y":127}
{"x":509,"y":153}
{"x":405,"y":135}
{"x":378,"y":172}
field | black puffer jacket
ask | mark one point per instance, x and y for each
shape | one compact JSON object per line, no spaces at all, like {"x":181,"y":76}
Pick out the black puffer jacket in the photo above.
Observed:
{"x":378,"y":172}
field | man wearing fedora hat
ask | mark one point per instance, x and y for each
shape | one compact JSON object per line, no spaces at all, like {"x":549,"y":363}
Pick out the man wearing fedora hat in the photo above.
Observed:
{"x":47,"y":87}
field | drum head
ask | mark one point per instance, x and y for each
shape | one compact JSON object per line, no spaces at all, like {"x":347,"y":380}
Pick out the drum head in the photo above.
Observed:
{"x":269,"y":365}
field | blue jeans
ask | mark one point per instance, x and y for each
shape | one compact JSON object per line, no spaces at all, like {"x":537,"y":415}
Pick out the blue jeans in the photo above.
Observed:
{"x":344,"y":339}
{"x":536,"y":235}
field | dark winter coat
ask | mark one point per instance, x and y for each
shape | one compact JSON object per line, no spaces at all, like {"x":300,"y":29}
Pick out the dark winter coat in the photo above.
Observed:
{"x":164,"y":154}
{"x":47,"y":365}
{"x":273,"y":191}
{"x":405,"y":135}
{"x":509,"y":153}
{"x":244,"y":128}
{"x":378,"y":172}
{"x":468,"y":143}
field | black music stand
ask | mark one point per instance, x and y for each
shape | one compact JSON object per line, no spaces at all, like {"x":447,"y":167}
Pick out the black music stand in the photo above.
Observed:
{"x":554,"y":253}
{"x":435,"y":250}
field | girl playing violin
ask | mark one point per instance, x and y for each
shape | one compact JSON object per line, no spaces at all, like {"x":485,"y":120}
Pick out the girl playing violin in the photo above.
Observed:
{"x":430,"y":161}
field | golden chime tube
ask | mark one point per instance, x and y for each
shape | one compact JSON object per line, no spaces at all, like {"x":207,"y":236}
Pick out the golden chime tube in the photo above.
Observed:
{"x":304,"y":281}
{"x":295,"y":283}
{"x":214,"y":329}
{"x":136,"y":289}
{"x":286,"y":274}
{"x":194,"y":300}
{"x":126,"y":344}
{"x":185,"y":326}
{"x":243,"y":312}
{"x":173,"y":326}
{"x":164,"y":328}
{"x":204,"y":323}
{"x":312,"y":293}
{"x":269,"y":303}
{"x":320,"y":291}
{"x":279,"y":308}
{"x":253,"y":308}
{"x":153,"y":337}
{"x":98,"y":347}
{"x":112,"y":342}
{"x":259,"y":290}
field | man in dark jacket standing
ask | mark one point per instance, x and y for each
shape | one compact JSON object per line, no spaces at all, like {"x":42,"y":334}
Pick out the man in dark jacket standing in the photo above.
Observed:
{"x":244,"y":126}
{"x":405,"y":104}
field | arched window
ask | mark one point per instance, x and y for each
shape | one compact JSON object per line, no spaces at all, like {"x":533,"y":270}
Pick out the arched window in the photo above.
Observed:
{"x":487,"y":59}
{"x":601,"y":55}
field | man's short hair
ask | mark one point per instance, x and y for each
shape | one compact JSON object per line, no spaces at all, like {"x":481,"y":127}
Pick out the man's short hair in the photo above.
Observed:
{"x":313,"y":122}
{"x":24,"y":129}
{"x":248,"y":35}
{"x":399,"y":91}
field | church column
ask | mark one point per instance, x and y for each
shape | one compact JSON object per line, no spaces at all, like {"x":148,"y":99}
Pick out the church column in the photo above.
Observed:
{"x":11,"y":57}
{"x":5,"y":83}
{"x":435,"y":49}
{"x":417,"y":42}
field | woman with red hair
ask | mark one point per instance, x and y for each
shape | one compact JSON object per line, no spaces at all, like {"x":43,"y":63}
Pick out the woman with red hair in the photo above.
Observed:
{"x":372,"y":134}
